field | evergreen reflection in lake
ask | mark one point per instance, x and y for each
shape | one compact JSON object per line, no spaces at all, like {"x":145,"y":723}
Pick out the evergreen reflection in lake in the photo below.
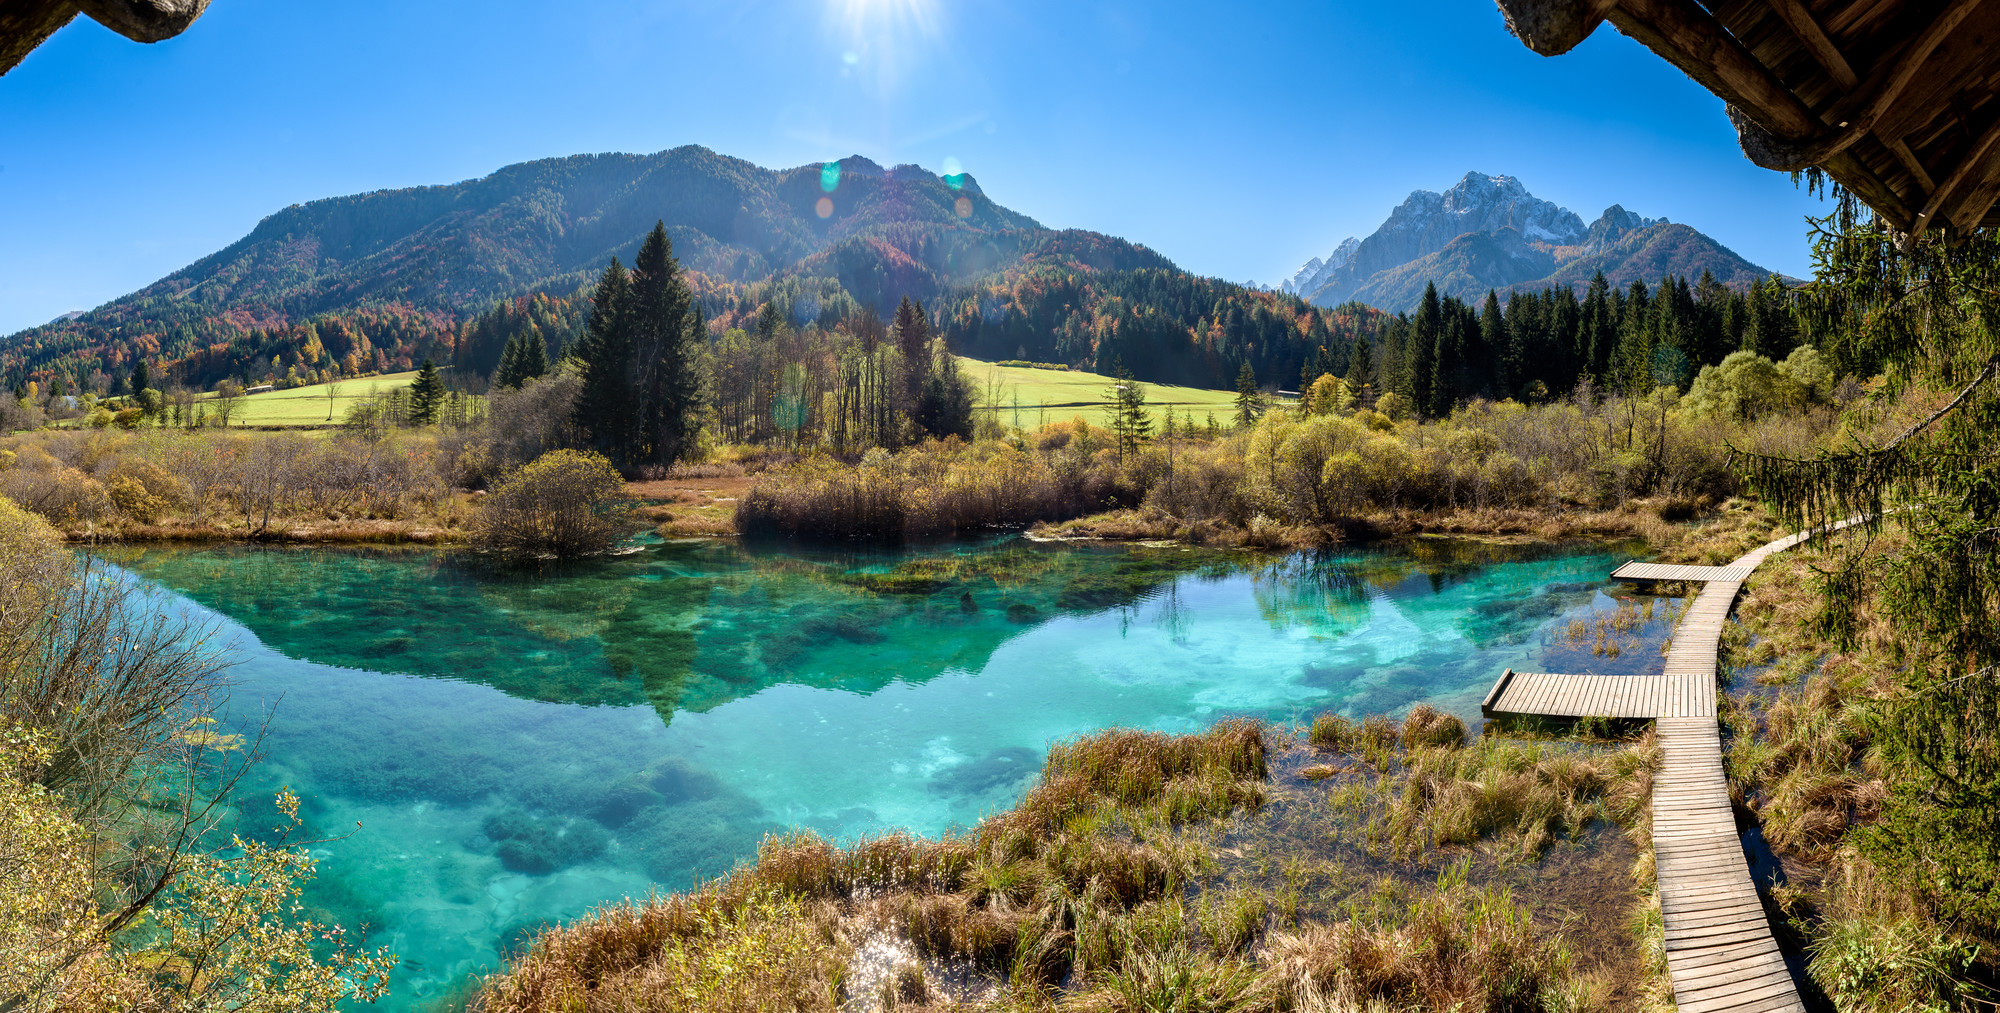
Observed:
{"x":519,"y":748}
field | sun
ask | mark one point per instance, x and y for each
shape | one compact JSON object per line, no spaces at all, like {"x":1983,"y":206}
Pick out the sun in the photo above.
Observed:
{"x":871,"y":23}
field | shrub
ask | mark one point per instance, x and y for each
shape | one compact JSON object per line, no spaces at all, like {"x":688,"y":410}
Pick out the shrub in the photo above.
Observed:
{"x":945,"y":487}
{"x":48,"y":486}
{"x":565,"y":503}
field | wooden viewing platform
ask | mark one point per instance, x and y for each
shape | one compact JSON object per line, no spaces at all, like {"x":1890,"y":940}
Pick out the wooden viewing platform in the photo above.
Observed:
{"x":1634,"y":570}
{"x":1720,"y":952}
{"x":1583,"y":696}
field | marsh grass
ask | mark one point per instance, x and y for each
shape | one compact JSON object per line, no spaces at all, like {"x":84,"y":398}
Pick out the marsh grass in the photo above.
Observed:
{"x":1122,"y":881}
{"x":1461,"y":948}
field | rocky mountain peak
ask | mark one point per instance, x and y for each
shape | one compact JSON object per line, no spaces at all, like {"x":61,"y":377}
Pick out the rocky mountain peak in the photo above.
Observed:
{"x":1316,"y":270}
{"x":1489,"y":231}
{"x":1614,"y":224}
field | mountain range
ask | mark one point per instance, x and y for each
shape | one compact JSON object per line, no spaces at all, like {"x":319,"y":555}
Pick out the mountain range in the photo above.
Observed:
{"x":381,"y":280}
{"x":1489,"y":232}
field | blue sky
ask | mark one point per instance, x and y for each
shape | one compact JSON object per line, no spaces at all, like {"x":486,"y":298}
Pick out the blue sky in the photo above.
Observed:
{"x":1239,"y":141}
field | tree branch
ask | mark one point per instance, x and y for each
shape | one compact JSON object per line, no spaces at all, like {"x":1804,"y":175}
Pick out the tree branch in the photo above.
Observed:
{"x":1992,"y":365}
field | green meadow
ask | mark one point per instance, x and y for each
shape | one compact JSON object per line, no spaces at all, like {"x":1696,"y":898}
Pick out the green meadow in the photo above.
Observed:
{"x":308,"y":406}
{"x":1055,"y":394}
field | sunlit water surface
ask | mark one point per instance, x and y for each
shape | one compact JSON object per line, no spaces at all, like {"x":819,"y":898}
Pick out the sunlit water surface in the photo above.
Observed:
{"x":518,"y":749}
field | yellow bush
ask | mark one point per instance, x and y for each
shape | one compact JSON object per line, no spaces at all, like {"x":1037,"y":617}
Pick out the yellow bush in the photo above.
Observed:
{"x":47,"y":906}
{"x":564,"y":503}
{"x":130,"y":495}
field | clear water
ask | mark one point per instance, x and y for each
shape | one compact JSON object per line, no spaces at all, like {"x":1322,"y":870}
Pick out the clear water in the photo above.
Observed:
{"x":517,"y":749}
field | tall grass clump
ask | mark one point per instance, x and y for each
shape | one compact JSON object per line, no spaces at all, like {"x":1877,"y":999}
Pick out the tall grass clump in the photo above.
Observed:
{"x":1538,"y":792}
{"x":1331,"y":731}
{"x":1868,"y":965}
{"x":1462,"y":948}
{"x":709,"y":951}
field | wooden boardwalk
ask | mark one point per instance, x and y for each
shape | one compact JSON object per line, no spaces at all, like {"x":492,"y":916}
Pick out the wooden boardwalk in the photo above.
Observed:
{"x":1720,"y":952}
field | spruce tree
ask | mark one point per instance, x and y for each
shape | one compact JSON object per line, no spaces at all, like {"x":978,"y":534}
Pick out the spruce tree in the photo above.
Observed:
{"x":1427,"y":327}
{"x":534,"y":357}
{"x":142,"y":376}
{"x":606,"y":407}
{"x":426,"y":395}
{"x":1598,"y":330}
{"x":1496,"y":351}
{"x":1249,"y":400}
{"x":508,"y":373}
{"x":1925,"y":309}
{"x":1129,"y":419}
{"x":1361,"y":373}
{"x":913,"y":339}
{"x":666,"y":337}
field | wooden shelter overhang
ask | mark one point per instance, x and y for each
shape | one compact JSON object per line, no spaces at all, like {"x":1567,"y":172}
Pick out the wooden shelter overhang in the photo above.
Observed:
{"x":1896,"y":100}
{"x":24,"y":24}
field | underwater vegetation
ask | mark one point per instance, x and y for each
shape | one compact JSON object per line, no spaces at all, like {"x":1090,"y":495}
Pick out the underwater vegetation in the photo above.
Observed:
{"x":539,"y":845}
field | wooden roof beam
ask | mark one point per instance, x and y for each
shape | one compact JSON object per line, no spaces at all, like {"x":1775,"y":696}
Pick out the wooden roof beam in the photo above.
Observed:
{"x":1817,"y":43}
{"x":1854,"y":116}
{"x":1901,"y":149}
{"x":1692,"y":39}
{"x":1972,"y":168}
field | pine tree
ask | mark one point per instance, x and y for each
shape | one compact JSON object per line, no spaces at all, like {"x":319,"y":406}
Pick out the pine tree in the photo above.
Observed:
{"x":426,"y":395}
{"x":142,"y":377}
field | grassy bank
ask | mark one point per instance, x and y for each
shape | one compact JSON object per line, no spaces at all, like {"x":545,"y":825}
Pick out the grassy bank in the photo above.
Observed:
{"x":155,"y":484}
{"x":1292,"y":479}
{"x":1245,"y":868}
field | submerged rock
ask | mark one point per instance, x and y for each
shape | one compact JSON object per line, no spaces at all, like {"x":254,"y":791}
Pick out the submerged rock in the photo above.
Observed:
{"x":1000,"y":767}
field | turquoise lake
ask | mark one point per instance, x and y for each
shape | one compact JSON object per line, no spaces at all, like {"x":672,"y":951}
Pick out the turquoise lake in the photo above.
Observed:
{"x":519,"y":748}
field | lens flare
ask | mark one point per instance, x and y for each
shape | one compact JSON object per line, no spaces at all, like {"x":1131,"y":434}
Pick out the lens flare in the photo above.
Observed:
{"x":963,"y":206}
{"x":829,"y":177}
{"x":824,"y":208}
{"x":885,"y":40}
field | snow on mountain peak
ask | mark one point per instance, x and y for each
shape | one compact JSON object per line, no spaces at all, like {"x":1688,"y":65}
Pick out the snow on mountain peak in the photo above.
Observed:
{"x":1316,"y":270}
